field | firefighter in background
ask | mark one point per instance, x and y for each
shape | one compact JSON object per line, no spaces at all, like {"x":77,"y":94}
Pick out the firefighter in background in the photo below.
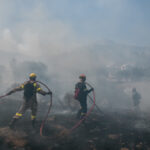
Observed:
{"x":136,"y":99}
{"x":81,"y":93}
{"x":30,"y":89}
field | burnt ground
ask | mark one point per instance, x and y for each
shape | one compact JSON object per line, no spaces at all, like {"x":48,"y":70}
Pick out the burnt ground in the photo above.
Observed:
{"x":111,"y":131}
{"x":108,"y":132}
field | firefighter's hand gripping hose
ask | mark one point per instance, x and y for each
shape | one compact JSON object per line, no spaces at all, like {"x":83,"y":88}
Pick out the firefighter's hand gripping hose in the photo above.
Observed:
{"x":88,"y":113}
{"x":50,"y":106}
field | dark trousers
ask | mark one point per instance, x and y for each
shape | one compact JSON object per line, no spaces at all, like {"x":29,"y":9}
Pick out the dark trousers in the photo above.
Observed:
{"x":32,"y":104}
{"x":83,"y":110}
{"x":83,"y":104}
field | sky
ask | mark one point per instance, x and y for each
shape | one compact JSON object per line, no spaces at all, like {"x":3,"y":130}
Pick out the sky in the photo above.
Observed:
{"x":125,"y":21}
{"x":59,"y":39}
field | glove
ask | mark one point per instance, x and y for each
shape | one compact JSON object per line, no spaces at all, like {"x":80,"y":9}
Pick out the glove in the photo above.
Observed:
{"x":49,"y":93}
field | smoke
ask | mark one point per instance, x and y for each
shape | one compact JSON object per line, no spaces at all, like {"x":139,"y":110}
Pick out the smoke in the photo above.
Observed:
{"x":104,"y":71}
{"x":101,"y":62}
{"x":41,"y":43}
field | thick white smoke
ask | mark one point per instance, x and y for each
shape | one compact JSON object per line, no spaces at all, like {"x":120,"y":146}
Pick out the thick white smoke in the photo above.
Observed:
{"x":36,"y":41}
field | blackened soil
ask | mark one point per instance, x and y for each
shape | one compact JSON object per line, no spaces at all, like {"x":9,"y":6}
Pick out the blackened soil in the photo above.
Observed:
{"x":113,"y":131}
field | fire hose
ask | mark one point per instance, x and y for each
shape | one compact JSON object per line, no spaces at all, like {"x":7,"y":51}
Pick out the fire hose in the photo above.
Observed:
{"x":50,"y":106}
{"x":3,"y":97}
{"x":45,"y":118}
{"x":88,"y":113}
{"x":96,"y":106}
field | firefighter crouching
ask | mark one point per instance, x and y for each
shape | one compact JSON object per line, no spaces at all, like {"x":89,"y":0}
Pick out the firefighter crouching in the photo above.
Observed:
{"x":81,"y":93}
{"x":30,"y":89}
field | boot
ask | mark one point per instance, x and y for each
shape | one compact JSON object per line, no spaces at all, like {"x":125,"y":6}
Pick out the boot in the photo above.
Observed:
{"x":82,"y":115}
{"x":12,"y":123}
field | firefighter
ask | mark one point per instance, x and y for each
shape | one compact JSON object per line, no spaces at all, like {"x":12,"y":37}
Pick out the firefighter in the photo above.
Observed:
{"x":136,"y":99}
{"x":81,"y":93}
{"x":30,"y":89}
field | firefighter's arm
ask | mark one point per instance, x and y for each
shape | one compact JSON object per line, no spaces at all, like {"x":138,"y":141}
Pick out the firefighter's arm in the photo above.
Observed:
{"x":40,"y":91}
{"x":78,"y":86}
{"x":90,"y":90}
{"x":20,"y":88}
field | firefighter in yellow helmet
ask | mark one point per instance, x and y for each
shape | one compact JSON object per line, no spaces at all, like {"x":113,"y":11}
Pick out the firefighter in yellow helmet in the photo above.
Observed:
{"x":30,"y":89}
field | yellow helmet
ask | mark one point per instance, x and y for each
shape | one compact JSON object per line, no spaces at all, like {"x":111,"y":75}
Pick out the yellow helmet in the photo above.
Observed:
{"x":32,"y":75}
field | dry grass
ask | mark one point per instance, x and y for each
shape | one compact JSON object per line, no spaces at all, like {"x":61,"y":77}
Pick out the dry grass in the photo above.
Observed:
{"x":15,"y":138}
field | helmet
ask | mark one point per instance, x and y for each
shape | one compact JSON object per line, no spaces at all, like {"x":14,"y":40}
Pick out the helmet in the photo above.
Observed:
{"x":32,"y":76}
{"x":82,"y":76}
